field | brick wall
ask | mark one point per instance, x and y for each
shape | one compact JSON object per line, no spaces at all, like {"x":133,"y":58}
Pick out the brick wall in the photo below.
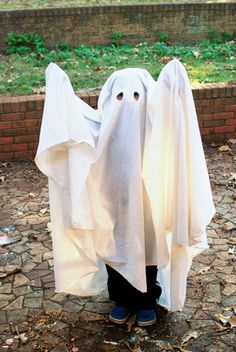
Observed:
{"x":20,"y":118}
{"x":96,"y":24}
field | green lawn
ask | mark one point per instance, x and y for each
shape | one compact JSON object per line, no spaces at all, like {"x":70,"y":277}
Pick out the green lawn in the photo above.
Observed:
{"x":26,"y":4}
{"x":90,"y":66}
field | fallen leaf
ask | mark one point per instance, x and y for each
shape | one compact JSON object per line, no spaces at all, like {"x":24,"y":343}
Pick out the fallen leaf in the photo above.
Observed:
{"x":43,"y":211}
{"x":9,"y":342}
{"x":232,"y":321}
{"x":232,"y":141}
{"x":229,"y":226}
{"x":224,"y":148}
{"x":23,"y":337}
{"x":49,"y":227}
{"x":2,"y":178}
{"x":136,"y":348}
{"x":232,"y":250}
{"x":232,"y":176}
{"x":32,"y":195}
{"x":191,"y":334}
{"x":220,"y":317}
{"x":196,"y":54}
{"x":111,"y":342}
{"x":8,"y":270}
{"x":131,"y":322}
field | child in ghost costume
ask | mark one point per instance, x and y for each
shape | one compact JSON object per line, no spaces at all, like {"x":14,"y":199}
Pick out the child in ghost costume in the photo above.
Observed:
{"x":129,"y":190}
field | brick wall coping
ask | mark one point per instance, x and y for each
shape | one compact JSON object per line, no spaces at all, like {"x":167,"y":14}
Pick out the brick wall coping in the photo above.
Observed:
{"x":209,"y":90}
{"x":94,"y":9}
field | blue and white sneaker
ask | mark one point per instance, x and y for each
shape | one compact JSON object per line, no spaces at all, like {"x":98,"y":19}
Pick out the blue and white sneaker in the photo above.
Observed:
{"x":119,"y":315}
{"x":146,"y":317}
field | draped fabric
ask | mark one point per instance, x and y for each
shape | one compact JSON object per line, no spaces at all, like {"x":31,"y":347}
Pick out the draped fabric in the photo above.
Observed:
{"x":128,"y":182}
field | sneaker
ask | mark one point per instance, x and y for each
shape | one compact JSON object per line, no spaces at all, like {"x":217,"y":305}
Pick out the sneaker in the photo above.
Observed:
{"x":119,"y":315}
{"x":146,"y":317}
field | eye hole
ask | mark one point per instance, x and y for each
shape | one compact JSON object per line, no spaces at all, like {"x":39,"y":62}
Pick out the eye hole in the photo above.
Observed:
{"x":136,"y":96}
{"x":120,"y":96}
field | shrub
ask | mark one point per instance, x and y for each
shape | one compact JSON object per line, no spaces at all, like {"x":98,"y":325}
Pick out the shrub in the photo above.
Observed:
{"x":24,"y":43}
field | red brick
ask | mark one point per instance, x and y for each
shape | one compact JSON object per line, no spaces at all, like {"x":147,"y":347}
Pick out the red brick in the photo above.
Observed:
{"x":6,"y":156}
{"x":207,"y":109}
{"x":6,"y":140}
{"x":12,"y":116}
{"x":215,"y":92}
{"x":206,"y":102}
{"x":33,"y":146}
{"x":14,"y":132}
{"x":213,"y":123}
{"x":223,"y":129}
{"x":216,"y":137}
{"x":22,"y":106}
{"x":220,"y":101}
{"x":208,"y":116}
{"x":230,"y":101}
{"x":230,"y":122}
{"x":15,"y":147}
{"x":207,"y":130}
{"x":27,"y":154}
{"x":25,"y":123}
{"x":217,"y":108}
{"x":198,"y":109}
{"x":33,"y":130}
{"x":14,"y":104}
{"x":26,"y":138}
{"x":230,"y":107}
{"x":7,"y":107}
{"x":223,"y":115}
{"x":5,"y":125}
{"x":31,"y":114}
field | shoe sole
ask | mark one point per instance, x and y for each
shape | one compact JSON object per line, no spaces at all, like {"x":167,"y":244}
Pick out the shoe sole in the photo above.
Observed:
{"x":118,"y":321}
{"x":146,"y":323}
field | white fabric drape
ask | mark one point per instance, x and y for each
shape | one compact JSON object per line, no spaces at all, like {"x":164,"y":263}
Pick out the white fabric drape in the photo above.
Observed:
{"x":128,"y":182}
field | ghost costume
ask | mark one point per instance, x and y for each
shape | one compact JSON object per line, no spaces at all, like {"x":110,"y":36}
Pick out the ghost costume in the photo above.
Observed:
{"x":128,"y":182}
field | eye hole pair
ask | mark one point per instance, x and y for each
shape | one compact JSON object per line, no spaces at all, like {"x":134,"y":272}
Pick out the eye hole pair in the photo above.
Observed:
{"x":120,"y":96}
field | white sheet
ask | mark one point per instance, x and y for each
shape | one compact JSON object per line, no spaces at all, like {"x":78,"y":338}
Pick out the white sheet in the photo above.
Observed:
{"x":136,"y":154}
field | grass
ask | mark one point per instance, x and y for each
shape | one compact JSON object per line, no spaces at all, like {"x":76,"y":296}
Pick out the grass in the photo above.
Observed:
{"x":90,"y":66}
{"x":27,"y":4}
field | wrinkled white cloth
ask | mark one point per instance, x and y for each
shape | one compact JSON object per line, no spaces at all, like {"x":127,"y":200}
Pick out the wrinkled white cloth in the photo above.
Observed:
{"x":128,"y":182}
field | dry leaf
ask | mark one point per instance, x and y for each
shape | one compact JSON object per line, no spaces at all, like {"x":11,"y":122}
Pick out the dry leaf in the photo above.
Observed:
{"x":232,"y":250}
{"x":23,"y":338}
{"x":111,"y":342}
{"x":131,"y":322}
{"x":224,"y":148}
{"x":232,"y":141}
{"x":232,"y":176}
{"x":32,"y":195}
{"x":136,"y":348}
{"x":9,"y":269}
{"x":220,"y":317}
{"x":232,"y":321}
{"x":196,"y":54}
{"x":192,"y":334}
{"x":43,"y":211}
{"x":49,"y":227}
{"x":2,"y":178}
